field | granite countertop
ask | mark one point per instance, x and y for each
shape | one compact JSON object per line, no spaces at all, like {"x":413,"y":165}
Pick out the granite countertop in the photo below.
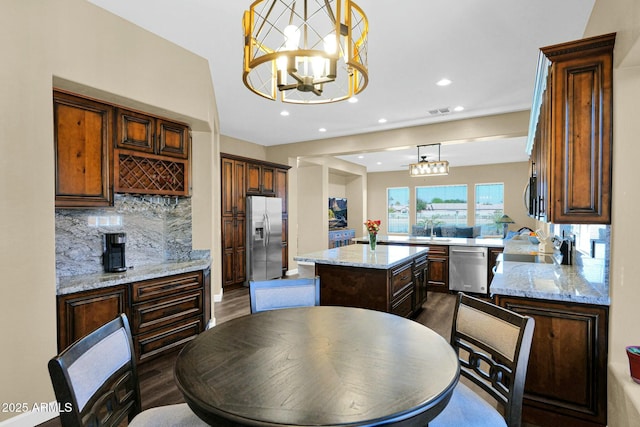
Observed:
{"x":384,"y":257}
{"x":71,"y":284}
{"x":428,"y":241}
{"x":585,"y":282}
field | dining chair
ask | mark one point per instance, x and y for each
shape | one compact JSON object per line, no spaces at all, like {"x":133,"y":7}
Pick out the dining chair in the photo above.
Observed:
{"x":96,"y":383}
{"x":284,"y":293}
{"x":493,"y":346}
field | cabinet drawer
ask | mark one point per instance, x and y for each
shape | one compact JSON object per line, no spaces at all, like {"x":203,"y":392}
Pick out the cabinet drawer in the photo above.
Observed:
{"x":401,"y":278}
{"x":404,"y":305}
{"x":439,"y":250}
{"x":156,"y":288}
{"x":172,"y":337}
{"x":154,"y":314}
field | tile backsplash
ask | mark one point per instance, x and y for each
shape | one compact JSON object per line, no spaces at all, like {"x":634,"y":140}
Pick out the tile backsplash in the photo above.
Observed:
{"x":158,"y":229}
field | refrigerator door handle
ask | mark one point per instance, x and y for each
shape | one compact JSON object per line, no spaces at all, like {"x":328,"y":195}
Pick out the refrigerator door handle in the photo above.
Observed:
{"x":267,"y":231}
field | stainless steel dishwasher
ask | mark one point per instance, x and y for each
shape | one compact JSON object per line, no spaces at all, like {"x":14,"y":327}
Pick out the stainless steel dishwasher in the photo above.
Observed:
{"x":468,"y":269}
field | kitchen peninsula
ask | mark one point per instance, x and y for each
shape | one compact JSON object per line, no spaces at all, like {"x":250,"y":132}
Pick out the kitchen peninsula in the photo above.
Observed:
{"x":567,"y":376}
{"x":392,"y":278}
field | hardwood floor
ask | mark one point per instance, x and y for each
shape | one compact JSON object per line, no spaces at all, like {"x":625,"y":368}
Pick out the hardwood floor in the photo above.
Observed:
{"x":157,"y":385}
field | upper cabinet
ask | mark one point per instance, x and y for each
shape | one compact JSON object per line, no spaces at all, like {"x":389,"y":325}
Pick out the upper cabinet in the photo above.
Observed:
{"x":82,"y":148}
{"x":570,"y":135}
{"x":141,"y":132}
{"x":102,"y":148}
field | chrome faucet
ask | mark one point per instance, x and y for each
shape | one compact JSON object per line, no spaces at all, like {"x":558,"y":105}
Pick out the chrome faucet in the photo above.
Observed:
{"x":426,"y":224}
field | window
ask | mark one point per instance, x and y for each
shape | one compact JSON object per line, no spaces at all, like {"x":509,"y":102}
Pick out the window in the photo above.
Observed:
{"x":489,"y":208}
{"x":398,"y":210}
{"x":442,"y":204}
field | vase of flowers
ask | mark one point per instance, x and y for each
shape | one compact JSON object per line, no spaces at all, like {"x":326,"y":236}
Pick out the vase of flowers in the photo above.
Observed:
{"x":373,"y":226}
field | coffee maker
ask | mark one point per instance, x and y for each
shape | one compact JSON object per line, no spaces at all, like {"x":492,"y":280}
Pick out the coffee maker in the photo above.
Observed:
{"x":113,"y":255}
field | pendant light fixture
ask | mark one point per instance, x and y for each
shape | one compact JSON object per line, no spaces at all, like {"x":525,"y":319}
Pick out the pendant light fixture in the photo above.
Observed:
{"x":426,"y":168}
{"x":307,"y":51}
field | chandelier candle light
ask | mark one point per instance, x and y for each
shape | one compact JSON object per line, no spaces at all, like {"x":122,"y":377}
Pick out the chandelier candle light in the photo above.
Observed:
{"x":373,"y":226}
{"x":308,"y":51}
{"x":426,"y":168}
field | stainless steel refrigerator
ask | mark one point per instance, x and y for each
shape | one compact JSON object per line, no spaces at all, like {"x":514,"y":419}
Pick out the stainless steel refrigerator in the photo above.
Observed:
{"x":264,"y":238}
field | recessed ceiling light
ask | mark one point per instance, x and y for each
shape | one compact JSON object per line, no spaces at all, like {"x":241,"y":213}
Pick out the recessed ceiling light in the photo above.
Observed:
{"x":322,"y":130}
{"x":284,"y":113}
{"x":443,"y":82}
{"x":361,"y":157}
{"x":458,"y":108}
{"x":378,"y":163}
{"x":353,"y":100}
{"x":382,"y":121}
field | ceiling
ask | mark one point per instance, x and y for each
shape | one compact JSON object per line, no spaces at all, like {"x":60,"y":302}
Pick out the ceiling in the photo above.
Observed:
{"x":488,"y":49}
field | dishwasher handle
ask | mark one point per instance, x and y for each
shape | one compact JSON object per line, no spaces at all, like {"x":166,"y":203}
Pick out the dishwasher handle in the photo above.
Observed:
{"x":459,"y":251}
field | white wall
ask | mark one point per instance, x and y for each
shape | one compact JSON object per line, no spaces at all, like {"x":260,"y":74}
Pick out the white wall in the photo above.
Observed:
{"x":623,"y":17}
{"x":80,"y":47}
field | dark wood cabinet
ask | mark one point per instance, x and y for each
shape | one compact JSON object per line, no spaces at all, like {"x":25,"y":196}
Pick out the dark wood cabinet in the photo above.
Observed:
{"x":151,"y":156}
{"x":164,"y":313}
{"x":241,"y":177}
{"x":142,"y":132}
{"x":261,"y":180}
{"x":102,"y":148}
{"x":421,"y":275}
{"x":567,"y":375}
{"x":83,"y":151}
{"x":438,"y":269}
{"x":82,"y":313}
{"x":571,"y":155}
{"x":392,"y":290}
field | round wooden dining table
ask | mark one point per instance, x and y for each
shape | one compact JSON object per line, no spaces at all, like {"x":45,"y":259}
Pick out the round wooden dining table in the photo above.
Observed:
{"x":318,"y":366}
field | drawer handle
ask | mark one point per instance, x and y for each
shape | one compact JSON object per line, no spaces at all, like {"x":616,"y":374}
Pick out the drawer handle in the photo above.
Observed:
{"x":404,"y":277}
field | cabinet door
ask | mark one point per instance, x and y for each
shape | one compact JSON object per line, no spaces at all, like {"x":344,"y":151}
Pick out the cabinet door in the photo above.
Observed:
{"x":582,"y":132}
{"x":420,"y":272}
{"x":268,"y":178}
{"x":135,"y":131}
{"x":173,"y":139}
{"x":254,"y":179}
{"x":233,"y":187}
{"x":438,"y":273}
{"x":281,"y":187}
{"x":82,"y":313}
{"x":567,"y":375}
{"x":227,"y":183}
{"x":82,"y":139}
{"x":240,"y":258}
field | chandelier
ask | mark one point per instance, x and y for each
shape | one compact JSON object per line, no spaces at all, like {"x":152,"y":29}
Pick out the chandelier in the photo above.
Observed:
{"x":308,"y":51}
{"x":426,"y":168}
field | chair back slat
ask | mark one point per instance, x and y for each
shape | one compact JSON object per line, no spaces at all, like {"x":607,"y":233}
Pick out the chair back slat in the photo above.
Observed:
{"x":493,"y":346}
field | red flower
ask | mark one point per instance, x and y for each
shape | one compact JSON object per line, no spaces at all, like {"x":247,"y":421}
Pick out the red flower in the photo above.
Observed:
{"x":373,"y":225}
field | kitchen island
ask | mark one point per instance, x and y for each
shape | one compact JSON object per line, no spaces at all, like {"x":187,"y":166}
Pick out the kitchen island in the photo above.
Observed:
{"x":439,"y":259}
{"x":392,"y":278}
{"x":567,"y":375}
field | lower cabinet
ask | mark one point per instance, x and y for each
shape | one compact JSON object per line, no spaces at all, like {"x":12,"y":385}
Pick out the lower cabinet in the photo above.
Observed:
{"x":438,"y":274}
{"x":164,"y":313}
{"x":566,"y":381}
{"x":82,"y":313}
{"x":393,"y":290}
{"x":420,"y":277}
